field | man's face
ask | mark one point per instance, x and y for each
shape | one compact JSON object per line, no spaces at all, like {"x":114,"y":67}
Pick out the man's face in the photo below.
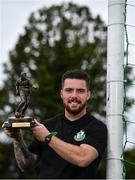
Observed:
{"x":74,"y":95}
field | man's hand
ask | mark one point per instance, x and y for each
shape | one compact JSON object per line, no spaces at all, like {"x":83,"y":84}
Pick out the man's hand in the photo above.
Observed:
{"x":13,"y":133}
{"x":40,"y":131}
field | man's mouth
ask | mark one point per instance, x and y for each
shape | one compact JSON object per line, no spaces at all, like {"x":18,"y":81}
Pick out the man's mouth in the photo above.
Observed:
{"x":74,"y":101}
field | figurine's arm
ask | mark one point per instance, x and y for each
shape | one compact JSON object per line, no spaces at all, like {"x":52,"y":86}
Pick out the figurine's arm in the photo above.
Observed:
{"x":17,"y":87}
{"x":33,"y":85}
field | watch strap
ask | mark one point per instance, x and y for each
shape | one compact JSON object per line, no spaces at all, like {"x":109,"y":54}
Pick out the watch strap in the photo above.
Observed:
{"x":48,"y":138}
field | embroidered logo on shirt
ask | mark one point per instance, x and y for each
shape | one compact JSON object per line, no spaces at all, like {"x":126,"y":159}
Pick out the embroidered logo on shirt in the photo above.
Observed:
{"x":80,"y":136}
{"x":54,"y":133}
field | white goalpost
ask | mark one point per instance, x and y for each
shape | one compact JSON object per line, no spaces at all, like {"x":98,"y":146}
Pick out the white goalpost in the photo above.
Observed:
{"x":115,"y":87}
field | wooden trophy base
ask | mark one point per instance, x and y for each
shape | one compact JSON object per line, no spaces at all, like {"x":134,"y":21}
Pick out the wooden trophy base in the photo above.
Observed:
{"x":21,"y":122}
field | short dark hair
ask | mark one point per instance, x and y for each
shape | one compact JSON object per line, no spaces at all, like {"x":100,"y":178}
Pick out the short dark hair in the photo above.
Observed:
{"x":76,"y":74}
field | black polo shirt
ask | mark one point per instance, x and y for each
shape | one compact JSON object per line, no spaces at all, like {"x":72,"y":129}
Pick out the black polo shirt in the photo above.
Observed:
{"x":86,"y":130}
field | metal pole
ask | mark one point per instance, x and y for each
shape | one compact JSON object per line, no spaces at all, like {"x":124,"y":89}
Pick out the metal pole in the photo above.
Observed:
{"x":115,"y":90}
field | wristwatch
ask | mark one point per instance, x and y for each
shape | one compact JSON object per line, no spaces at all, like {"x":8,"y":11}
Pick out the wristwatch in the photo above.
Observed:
{"x":48,"y":138}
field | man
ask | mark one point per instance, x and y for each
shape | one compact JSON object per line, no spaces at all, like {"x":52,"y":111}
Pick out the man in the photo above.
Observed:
{"x":23,"y":88}
{"x":70,"y":145}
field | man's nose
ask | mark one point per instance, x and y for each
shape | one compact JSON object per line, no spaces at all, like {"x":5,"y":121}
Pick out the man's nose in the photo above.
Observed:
{"x":74,"y":93}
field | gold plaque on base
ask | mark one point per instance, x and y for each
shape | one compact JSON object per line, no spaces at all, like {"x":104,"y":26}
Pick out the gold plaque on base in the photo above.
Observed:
{"x":22,"y":122}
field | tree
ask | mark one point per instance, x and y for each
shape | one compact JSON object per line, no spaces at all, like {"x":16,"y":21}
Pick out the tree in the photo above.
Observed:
{"x":57,"y":39}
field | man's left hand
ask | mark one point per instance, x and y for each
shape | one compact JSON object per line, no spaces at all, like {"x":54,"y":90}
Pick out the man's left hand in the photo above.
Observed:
{"x":40,"y":131}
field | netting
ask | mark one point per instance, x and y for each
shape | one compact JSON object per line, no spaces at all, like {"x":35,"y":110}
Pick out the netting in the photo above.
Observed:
{"x":129,"y":64}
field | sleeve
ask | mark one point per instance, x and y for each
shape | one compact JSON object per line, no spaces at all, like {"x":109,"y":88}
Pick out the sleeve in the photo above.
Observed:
{"x":35,"y":147}
{"x":97,"y":137}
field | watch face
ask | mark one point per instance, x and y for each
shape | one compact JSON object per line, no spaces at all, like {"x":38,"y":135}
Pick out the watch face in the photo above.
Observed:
{"x":48,"y":138}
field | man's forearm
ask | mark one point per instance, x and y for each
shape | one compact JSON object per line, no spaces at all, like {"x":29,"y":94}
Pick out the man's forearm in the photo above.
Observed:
{"x":81,"y":155}
{"x":25,"y":159}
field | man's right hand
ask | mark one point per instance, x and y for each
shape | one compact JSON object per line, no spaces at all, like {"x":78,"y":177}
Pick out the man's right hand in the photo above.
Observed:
{"x":13,"y":133}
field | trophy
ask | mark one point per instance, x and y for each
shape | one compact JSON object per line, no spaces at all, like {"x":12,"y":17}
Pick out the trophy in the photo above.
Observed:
{"x":24,"y":86}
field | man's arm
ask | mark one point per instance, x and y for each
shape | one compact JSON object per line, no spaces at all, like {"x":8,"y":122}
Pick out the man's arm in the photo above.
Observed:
{"x":25,"y":159}
{"x":80,"y":156}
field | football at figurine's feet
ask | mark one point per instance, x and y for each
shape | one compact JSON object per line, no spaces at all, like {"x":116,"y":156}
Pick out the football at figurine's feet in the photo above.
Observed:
{"x":17,"y":115}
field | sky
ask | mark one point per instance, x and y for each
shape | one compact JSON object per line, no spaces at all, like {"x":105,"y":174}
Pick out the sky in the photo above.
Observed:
{"x":14,"y":16}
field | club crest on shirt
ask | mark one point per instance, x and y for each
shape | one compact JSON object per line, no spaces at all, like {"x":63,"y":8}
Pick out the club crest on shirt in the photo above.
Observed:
{"x":80,"y":136}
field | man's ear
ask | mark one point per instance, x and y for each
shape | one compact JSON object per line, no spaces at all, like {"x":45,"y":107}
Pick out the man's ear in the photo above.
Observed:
{"x":61,"y":93}
{"x":89,"y":95}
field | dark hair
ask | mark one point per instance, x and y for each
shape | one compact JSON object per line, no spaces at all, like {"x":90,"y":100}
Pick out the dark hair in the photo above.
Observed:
{"x":76,"y":74}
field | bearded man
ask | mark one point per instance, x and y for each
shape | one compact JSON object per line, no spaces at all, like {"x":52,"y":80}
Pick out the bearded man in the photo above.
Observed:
{"x":69,"y":145}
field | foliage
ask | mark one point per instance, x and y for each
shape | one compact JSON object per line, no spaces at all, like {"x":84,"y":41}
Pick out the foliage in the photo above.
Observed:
{"x":130,"y":164}
{"x":8,"y":166}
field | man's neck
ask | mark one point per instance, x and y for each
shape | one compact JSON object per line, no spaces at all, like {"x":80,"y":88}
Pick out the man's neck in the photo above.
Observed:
{"x":72,"y":117}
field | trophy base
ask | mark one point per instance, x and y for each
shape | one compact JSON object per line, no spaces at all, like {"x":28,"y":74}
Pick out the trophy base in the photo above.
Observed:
{"x":21,"y":122}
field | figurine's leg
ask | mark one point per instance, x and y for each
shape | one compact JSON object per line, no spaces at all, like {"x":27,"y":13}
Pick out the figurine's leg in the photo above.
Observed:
{"x":24,"y":109}
{"x":20,"y":106}
{"x":25,"y":105}
{"x":22,"y":103}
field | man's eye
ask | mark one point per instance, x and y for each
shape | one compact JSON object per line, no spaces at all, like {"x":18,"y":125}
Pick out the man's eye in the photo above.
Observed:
{"x":68,"y":90}
{"x":81,"y":90}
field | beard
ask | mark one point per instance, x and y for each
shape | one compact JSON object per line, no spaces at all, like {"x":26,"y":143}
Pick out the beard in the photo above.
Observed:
{"x":74,"y":110}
